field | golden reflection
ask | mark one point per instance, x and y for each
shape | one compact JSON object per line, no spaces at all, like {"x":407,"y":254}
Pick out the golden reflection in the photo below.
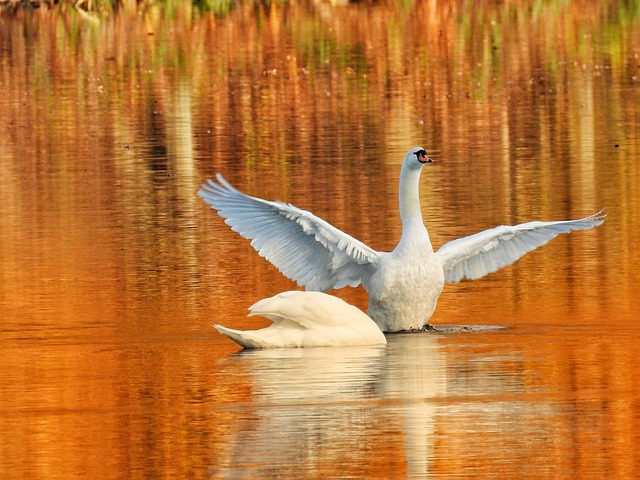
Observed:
{"x":112,"y":271}
{"x":557,"y":400}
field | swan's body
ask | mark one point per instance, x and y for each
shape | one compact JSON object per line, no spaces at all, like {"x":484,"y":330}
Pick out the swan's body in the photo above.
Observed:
{"x":404,"y":289}
{"x":403,"y":285}
{"x":307,"y":319}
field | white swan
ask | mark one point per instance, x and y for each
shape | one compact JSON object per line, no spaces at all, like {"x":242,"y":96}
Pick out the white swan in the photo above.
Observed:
{"x":403,"y":285}
{"x":307,"y":319}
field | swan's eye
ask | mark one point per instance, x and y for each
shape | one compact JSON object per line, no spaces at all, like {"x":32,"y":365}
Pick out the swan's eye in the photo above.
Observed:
{"x":420,"y":154}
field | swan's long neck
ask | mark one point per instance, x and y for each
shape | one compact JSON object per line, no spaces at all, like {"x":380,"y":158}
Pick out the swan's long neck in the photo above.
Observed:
{"x":414,"y":233}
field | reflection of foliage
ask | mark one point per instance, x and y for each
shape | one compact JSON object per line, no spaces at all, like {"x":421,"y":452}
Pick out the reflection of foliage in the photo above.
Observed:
{"x":219,"y":8}
{"x":94,"y":5}
{"x":98,"y":6}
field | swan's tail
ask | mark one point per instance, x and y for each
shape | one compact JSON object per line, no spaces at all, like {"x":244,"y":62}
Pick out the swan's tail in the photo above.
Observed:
{"x":244,"y":339}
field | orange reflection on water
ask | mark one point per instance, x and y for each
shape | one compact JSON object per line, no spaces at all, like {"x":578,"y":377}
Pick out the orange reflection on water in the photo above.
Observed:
{"x":113,"y":270}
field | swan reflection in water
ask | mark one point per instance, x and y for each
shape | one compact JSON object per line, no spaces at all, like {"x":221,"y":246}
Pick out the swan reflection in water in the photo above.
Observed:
{"x":309,"y":407}
{"x":333,"y":408}
{"x":415,"y":374}
{"x":402,"y":411}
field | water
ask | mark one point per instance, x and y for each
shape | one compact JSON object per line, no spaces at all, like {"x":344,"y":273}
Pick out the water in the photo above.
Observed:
{"x":113,"y":270}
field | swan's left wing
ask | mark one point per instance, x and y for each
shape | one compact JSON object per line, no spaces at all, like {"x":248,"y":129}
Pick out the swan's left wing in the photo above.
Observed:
{"x":485,"y":252}
{"x":305,"y":248}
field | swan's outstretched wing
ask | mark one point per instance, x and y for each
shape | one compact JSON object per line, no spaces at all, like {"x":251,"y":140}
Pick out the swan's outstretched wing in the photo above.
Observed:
{"x":485,"y":252}
{"x":302,"y":246}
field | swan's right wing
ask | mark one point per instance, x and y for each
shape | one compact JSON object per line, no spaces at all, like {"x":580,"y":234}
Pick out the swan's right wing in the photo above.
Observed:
{"x":303,"y":247}
{"x":485,"y":252}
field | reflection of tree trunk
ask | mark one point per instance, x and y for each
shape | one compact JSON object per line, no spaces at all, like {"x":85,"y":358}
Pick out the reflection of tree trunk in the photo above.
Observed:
{"x":180,"y":133}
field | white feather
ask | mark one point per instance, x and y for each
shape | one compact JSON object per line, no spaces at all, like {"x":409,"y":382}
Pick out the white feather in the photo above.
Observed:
{"x":307,"y":319}
{"x":485,"y":252}
{"x":302,"y":246}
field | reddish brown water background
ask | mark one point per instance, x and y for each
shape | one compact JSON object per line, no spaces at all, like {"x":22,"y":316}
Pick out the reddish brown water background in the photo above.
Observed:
{"x":112,"y":270}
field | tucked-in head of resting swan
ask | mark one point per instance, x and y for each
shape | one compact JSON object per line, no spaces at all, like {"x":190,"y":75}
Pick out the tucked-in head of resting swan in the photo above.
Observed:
{"x":403,"y":285}
{"x":307,"y":319}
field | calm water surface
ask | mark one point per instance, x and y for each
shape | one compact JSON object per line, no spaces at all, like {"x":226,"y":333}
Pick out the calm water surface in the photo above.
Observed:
{"x":112,"y":270}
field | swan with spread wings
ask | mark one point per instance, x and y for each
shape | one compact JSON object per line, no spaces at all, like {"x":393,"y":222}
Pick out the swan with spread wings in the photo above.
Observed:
{"x":403,"y":285}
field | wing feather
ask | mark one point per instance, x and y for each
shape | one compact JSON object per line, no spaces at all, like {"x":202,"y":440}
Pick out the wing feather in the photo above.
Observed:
{"x":303,"y":247}
{"x":485,"y":252}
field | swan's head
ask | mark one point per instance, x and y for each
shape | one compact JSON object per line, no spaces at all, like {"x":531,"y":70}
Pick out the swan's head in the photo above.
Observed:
{"x":416,"y":158}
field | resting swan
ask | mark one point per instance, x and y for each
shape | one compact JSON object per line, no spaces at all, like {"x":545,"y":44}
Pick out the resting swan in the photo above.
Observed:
{"x":307,"y":319}
{"x":403,"y":285}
